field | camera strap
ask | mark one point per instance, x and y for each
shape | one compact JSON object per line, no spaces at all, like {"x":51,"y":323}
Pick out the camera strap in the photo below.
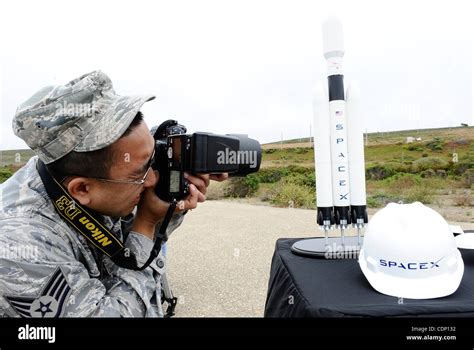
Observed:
{"x":90,"y":225}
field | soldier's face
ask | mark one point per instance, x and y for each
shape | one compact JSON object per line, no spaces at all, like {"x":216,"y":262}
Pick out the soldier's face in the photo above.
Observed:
{"x":132,"y":156}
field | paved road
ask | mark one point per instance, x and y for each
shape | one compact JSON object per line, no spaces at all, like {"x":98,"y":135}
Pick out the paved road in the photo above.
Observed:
{"x":219,"y":259}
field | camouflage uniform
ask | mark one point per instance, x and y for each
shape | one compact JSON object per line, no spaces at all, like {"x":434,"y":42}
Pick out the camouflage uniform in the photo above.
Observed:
{"x":47,"y":269}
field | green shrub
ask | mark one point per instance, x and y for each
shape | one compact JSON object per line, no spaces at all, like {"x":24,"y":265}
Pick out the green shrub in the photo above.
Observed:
{"x":252,"y":181}
{"x":406,"y":188}
{"x":378,"y":172}
{"x":399,"y":182}
{"x":372,"y":202}
{"x":399,"y":167}
{"x":286,"y":193}
{"x":310,"y":180}
{"x":436,"y":144}
{"x":5,"y":173}
{"x":415,"y":148}
{"x":464,"y":164}
{"x":242,"y":186}
{"x":299,"y":169}
{"x":434,"y":163}
{"x":428,"y":173}
{"x":301,"y":150}
{"x":307,"y":179}
{"x":421,"y":194}
{"x":271,"y":175}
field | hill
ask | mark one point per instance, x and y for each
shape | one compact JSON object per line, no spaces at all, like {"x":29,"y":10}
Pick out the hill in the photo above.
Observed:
{"x":389,"y":137}
{"x":436,"y":167}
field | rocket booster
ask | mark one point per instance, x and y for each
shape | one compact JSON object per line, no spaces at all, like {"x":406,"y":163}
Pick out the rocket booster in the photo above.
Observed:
{"x":356,"y":157}
{"x":333,"y":48}
{"x":338,"y":141}
{"x":322,"y":157}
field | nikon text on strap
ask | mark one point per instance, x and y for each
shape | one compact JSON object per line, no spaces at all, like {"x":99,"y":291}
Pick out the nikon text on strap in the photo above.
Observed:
{"x":89,"y":225}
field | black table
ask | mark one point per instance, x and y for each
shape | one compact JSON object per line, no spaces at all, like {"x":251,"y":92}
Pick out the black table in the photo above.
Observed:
{"x":307,"y":287}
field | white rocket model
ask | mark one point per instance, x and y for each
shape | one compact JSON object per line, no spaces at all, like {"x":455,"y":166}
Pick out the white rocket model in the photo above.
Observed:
{"x":338,"y":143}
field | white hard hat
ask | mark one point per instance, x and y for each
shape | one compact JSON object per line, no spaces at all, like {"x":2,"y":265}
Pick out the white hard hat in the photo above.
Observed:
{"x":409,"y":251}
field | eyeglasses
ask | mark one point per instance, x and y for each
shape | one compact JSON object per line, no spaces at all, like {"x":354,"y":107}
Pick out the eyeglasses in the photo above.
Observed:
{"x":127,"y":182}
{"x":133,"y":182}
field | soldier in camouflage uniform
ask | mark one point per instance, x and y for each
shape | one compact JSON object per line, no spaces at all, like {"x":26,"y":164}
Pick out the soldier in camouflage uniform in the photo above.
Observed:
{"x":47,"y":269}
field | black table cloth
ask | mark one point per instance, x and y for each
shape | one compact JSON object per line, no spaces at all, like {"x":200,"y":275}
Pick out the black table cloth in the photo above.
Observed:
{"x":308,"y":287}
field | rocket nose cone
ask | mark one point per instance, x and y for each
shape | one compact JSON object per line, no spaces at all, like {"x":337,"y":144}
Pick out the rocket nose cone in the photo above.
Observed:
{"x":333,"y":35}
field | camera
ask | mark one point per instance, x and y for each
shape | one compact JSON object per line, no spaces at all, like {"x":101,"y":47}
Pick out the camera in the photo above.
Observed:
{"x":202,"y":152}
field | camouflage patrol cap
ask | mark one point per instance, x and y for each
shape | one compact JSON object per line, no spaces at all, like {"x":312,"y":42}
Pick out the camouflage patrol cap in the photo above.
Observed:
{"x":84,"y":115}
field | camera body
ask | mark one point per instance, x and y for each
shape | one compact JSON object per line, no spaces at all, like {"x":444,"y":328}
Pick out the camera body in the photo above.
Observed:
{"x":199,"y":153}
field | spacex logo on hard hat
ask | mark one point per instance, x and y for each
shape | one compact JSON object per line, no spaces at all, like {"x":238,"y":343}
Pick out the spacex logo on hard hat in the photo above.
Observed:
{"x":410,"y":265}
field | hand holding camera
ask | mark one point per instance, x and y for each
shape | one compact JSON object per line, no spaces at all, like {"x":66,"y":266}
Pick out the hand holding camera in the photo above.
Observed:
{"x":185,"y":164}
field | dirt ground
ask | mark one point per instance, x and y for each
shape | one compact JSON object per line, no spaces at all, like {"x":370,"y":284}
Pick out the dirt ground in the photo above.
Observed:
{"x":219,"y":259}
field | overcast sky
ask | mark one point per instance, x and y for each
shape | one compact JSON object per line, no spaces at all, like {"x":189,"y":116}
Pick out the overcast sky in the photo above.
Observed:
{"x":244,"y":66}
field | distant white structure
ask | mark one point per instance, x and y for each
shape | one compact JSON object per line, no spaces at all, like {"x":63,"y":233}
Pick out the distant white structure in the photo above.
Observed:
{"x":410,"y":139}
